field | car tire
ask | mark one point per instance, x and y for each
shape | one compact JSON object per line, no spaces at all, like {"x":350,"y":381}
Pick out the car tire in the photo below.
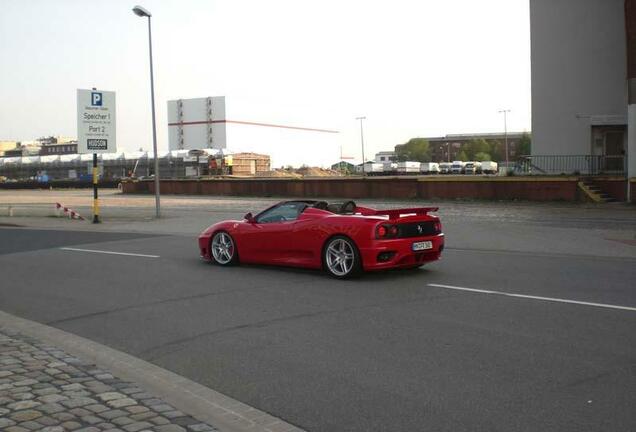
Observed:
{"x":223,"y":249}
{"x":341,"y":258}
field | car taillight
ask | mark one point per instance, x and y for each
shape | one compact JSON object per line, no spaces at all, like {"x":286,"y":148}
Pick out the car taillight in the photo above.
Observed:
{"x":386,"y":231}
{"x":438,"y":227}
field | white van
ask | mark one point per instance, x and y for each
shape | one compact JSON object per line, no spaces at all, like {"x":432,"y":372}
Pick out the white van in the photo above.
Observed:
{"x":489,"y":167}
{"x":408,"y":167}
{"x":430,"y":168}
{"x":472,"y":168}
{"x":457,"y":167}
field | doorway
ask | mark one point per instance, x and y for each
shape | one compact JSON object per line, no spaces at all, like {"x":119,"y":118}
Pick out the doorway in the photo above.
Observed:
{"x":609,"y":144}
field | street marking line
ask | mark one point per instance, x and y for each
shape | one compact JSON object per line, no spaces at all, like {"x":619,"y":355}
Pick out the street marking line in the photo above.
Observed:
{"x":531,"y":297}
{"x":109,"y":252}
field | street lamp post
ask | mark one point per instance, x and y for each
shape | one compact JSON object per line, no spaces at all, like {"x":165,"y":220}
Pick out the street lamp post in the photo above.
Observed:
{"x":362,"y":142}
{"x":142,"y":12}
{"x":505,"y":113}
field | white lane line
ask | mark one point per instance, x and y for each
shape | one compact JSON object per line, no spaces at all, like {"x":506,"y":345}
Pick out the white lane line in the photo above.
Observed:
{"x":557,"y":300}
{"x":109,"y":252}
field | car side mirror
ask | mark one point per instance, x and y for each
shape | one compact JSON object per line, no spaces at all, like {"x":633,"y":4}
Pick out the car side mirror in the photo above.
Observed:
{"x":248,"y":217}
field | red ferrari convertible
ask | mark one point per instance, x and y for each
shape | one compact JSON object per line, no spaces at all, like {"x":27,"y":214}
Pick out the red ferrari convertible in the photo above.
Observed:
{"x":342,"y":238}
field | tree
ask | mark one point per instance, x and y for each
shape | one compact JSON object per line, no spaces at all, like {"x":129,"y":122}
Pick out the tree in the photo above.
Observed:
{"x":462,"y":156}
{"x":481,"y":156}
{"x":497,"y":151}
{"x":416,"y":149}
{"x":525,"y":145}
{"x":475,"y":146}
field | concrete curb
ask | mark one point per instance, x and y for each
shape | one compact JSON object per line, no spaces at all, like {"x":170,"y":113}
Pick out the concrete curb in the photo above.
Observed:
{"x":41,"y":210}
{"x":207,"y":405}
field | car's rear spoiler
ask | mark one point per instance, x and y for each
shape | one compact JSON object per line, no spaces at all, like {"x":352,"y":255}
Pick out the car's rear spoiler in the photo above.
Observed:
{"x":395,"y":213}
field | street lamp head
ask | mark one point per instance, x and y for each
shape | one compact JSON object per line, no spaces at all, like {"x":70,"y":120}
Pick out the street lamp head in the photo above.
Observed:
{"x":142,"y":12}
{"x":361,"y":118}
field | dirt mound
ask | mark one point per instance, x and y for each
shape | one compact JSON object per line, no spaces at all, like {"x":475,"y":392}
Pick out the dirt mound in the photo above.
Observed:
{"x":300,"y":172}
{"x":317,"y":172}
{"x":279,"y":173}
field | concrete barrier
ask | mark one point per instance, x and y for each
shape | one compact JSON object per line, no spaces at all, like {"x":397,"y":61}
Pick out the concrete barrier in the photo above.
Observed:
{"x":15,"y":210}
{"x":58,"y":184}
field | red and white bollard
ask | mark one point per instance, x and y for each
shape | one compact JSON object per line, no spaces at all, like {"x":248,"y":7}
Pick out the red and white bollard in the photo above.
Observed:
{"x":67,"y":212}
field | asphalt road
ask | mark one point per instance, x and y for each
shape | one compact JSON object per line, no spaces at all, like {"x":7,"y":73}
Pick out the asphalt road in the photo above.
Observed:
{"x":384,"y":352}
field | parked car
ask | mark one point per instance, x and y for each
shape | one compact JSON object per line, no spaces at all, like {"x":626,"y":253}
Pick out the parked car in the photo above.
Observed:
{"x":341,"y":238}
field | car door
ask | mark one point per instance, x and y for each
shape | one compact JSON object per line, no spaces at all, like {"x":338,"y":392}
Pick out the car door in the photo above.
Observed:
{"x":269,"y":239}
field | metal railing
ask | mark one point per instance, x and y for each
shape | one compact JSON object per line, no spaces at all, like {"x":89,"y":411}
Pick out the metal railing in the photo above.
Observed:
{"x":570,"y":165}
{"x":109,"y":169}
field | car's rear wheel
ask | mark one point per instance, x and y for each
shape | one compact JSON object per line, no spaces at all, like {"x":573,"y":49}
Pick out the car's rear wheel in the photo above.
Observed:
{"x":341,"y":258}
{"x":223,"y":249}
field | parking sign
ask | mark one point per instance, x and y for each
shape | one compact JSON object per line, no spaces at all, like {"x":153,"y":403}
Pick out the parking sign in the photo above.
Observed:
{"x":96,"y":121}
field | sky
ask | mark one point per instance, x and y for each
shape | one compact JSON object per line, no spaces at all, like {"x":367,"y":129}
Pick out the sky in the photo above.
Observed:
{"x":414,"y":68}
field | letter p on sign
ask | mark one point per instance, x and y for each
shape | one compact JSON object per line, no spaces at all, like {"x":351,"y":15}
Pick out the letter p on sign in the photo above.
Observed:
{"x":96,"y":99}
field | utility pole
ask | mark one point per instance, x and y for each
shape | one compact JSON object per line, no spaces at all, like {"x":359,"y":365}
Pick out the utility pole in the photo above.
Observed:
{"x":144,"y":13}
{"x":95,"y":185}
{"x":630,"y":154}
{"x":362,"y":141}
{"x":505,"y":113}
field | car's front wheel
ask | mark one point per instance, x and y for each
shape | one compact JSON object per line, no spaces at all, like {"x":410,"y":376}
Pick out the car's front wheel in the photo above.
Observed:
{"x":341,"y":258}
{"x":223,"y":249}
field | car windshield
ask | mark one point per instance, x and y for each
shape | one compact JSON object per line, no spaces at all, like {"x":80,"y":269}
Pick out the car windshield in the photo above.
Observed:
{"x":282,"y":213}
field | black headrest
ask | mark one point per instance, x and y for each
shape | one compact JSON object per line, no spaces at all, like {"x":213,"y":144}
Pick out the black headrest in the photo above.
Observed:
{"x":334,"y":207}
{"x":321,"y":205}
{"x":347,"y":207}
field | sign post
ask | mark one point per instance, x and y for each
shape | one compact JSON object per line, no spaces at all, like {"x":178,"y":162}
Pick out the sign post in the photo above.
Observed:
{"x":95,"y":196}
{"x":96,"y":118}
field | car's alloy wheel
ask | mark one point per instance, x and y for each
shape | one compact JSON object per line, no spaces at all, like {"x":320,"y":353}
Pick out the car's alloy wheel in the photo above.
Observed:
{"x":223,"y":248}
{"x":341,"y":257}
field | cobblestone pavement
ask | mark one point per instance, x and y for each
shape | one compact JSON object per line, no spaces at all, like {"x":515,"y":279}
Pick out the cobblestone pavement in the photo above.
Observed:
{"x":44,"y":389}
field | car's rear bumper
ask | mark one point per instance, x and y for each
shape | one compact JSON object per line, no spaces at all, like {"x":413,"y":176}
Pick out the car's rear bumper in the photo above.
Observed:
{"x":401,"y":254}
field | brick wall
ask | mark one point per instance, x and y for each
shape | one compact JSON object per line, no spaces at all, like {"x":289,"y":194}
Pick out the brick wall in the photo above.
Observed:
{"x":505,"y":188}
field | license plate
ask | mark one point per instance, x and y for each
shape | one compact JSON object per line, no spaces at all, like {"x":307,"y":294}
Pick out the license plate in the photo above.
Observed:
{"x":423,"y":245}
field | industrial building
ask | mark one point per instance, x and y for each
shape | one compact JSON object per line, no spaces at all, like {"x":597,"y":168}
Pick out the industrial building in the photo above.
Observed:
{"x":43,"y":146}
{"x":448,"y":147}
{"x":7,"y":146}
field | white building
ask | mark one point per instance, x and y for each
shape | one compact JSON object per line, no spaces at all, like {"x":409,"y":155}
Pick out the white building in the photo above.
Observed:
{"x":207,"y":123}
{"x":384,"y":157}
{"x":579,"y":78}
